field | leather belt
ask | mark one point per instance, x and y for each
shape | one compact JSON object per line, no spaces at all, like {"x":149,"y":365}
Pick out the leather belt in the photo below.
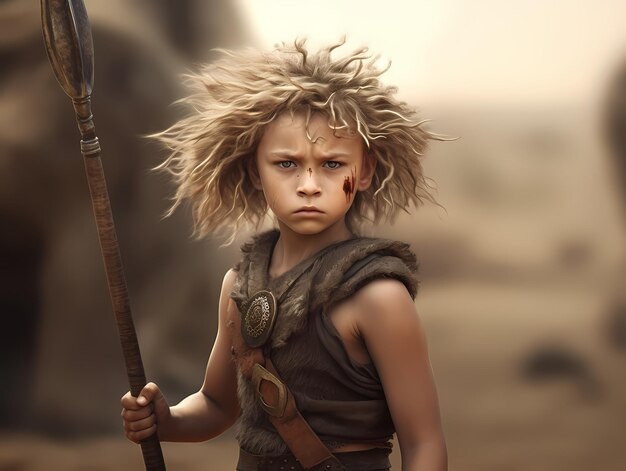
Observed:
{"x":359,"y":460}
{"x":250,"y":462}
{"x":276,"y":399}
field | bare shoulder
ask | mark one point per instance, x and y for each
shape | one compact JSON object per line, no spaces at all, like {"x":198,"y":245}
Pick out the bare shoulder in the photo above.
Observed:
{"x":384,"y":300}
{"x":377,"y":312}
{"x":383,"y":290}
{"x":226,"y":304}
{"x":387,"y":313}
{"x":229,"y":280}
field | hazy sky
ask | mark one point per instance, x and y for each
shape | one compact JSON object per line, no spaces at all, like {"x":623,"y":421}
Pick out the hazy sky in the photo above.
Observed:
{"x":462,"y":50}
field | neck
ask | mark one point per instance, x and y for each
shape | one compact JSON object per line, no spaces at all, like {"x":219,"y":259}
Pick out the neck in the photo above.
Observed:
{"x":291,"y":247}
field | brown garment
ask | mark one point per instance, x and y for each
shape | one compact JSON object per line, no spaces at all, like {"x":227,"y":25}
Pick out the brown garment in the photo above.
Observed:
{"x":342,"y":400}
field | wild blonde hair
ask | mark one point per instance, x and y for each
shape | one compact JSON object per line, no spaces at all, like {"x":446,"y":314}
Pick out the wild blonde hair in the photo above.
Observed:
{"x":240,"y":93}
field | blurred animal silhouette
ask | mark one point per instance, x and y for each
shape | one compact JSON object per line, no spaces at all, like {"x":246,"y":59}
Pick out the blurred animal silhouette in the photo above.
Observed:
{"x":555,"y":362}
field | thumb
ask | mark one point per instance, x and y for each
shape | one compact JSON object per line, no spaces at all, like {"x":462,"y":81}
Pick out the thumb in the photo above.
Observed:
{"x":152,"y":394}
{"x":148,"y":394}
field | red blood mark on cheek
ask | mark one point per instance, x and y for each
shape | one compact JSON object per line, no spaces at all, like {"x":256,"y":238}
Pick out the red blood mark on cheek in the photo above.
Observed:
{"x":347,"y":188}
{"x":349,"y":184}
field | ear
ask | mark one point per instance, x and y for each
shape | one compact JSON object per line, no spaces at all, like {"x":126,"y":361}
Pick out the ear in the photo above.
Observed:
{"x":367,"y":171}
{"x":253,"y":172}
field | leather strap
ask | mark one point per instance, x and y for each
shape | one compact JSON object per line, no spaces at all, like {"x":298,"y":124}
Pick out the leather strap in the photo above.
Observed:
{"x":277,"y":400}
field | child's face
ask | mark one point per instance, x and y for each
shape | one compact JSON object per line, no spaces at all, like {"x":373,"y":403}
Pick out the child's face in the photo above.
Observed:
{"x":310,"y":182}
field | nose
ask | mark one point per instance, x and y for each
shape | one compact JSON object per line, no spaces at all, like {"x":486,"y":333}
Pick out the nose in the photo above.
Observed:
{"x":308,"y":186}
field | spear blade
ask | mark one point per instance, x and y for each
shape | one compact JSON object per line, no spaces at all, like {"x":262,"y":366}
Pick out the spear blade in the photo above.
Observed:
{"x":69,"y":44}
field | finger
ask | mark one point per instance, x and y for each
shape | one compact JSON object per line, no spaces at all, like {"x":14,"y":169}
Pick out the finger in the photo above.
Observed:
{"x":141,"y":435}
{"x":139,"y":425}
{"x":130,"y":415}
{"x":149,"y":393}
{"x":128,"y":401}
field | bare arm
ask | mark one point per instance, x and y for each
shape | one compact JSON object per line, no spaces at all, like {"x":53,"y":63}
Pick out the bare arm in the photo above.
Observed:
{"x":202,"y":415}
{"x":395,"y":339}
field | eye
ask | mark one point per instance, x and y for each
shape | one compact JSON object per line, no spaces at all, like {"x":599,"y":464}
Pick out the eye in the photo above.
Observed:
{"x":286,"y":164}
{"x":332,"y":164}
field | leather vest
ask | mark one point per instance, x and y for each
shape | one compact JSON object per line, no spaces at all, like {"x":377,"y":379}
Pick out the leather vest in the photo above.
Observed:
{"x":342,"y":400}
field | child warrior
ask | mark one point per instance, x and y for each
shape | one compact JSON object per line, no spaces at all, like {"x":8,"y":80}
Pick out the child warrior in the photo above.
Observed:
{"x":320,"y":355}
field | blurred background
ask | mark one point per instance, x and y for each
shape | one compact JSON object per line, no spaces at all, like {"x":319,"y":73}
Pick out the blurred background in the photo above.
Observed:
{"x":522,"y":274}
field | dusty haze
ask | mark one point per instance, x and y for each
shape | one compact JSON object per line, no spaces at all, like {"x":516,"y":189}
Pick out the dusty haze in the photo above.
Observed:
{"x":522,"y":289}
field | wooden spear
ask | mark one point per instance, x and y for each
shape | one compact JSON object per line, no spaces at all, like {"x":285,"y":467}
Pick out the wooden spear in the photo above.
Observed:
{"x":69,"y":44}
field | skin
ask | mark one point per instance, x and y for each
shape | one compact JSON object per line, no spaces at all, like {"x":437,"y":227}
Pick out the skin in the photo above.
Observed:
{"x":302,"y":179}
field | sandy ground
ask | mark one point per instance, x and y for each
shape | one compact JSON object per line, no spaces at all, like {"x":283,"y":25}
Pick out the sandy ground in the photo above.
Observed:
{"x":496,"y":420}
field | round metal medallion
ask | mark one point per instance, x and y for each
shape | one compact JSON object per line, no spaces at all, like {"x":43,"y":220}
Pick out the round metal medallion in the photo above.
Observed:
{"x":258,"y":321}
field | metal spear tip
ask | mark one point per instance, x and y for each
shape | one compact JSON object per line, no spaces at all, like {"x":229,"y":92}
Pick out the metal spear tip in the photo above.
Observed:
{"x":69,"y":44}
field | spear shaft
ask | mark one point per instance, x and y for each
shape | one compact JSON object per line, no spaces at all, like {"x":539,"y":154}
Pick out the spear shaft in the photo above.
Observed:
{"x":69,"y":44}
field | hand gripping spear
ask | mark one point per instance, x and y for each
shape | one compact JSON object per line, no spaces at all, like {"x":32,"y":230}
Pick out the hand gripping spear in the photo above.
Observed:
{"x":69,"y":45}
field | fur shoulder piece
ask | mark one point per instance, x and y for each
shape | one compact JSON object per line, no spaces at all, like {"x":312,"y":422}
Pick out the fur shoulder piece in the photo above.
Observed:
{"x":391,"y":259}
{"x":317,"y":283}
{"x":252,"y":268}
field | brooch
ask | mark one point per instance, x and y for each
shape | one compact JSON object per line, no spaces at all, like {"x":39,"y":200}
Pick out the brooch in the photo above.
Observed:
{"x":259,"y":319}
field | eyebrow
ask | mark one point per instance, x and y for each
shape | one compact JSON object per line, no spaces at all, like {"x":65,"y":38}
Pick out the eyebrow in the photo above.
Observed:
{"x":331,"y":155}
{"x":294,"y":154}
{"x":283,"y":153}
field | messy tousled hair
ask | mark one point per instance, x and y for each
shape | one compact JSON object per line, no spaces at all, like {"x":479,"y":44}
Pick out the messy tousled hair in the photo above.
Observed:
{"x":236,"y":96}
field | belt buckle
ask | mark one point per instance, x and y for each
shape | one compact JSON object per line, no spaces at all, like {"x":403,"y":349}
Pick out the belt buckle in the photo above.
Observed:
{"x":259,"y":374}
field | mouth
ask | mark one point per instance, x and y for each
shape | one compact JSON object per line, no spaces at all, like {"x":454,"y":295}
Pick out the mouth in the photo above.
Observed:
{"x":308,"y":210}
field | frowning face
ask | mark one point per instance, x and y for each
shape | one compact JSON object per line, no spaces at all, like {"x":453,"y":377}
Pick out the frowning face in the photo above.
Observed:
{"x":310,"y":174}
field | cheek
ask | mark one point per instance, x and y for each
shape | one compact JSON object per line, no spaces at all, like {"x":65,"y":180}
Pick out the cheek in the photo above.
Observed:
{"x":263,"y":176}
